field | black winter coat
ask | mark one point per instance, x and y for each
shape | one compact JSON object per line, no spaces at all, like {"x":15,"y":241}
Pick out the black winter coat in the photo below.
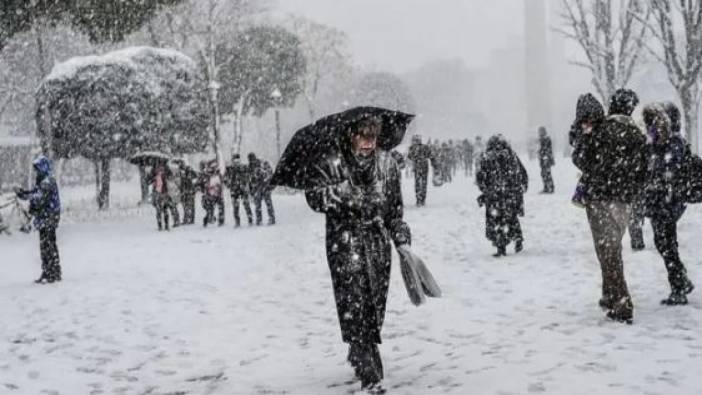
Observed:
{"x":364,"y":212}
{"x":420,"y":155}
{"x":662,"y":200}
{"x":237,"y":178}
{"x":613,"y":160}
{"x":503,"y":180}
{"x":546,"y":152}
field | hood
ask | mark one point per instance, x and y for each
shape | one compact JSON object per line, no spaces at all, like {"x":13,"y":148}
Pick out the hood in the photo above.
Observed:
{"x":589,"y":109}
{"x":657,"y":122}
{"x":623,"y":102}
{"x":42,"y":164}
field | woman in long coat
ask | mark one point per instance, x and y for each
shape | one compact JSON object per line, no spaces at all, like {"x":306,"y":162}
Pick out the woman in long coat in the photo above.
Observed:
{"x":363,"y":208}
{"x":503,"y":181}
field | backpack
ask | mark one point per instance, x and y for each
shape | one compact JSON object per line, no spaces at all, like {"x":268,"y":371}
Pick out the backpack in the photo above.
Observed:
{"x":689,"y":183}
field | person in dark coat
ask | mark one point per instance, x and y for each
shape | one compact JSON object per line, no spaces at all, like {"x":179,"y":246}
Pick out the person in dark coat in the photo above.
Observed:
{"x":420,"y":155}
{"x":621,"y":107}
{"x":611,"y":154}
{"x":188,"y":190}
{"x":664,"y":205}
{"x":467,"y":157}
{"x":503,"y":180}
{"x":45,"y":207}
{"x":364,"y":210}
{"x":546,"y":160}
{"x":237,"y":180}
{"x":212,"y":189}
{"x":159,"y":176}
{"x":261,"y":190}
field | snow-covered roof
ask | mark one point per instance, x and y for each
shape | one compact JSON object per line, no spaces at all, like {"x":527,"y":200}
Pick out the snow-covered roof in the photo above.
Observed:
{"x":127,"y":57}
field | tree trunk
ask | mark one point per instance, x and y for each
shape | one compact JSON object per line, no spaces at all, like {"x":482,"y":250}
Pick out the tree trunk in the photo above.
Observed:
{"x":277,"y":132}
{"x":239,"y":125}
{"x":97,"y":181}
{"x":104,"y":194}
{"x":689,"y":108}
{"x":143,"y":185}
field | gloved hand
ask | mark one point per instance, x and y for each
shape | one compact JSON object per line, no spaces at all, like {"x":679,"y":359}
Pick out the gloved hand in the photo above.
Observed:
{"x":347,"y":195}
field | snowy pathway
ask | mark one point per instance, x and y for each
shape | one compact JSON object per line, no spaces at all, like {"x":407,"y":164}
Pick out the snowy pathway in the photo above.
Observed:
{"x":247,"y":311}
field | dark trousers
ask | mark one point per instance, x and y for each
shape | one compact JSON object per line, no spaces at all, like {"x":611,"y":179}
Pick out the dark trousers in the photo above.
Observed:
{"x":188,"y":209}
{"x":420,"y":184}
{"x":50,"y":267}
{"x":636,"y":220}
{"x":665,"y":236}
{"x":161,"y":204}
{"x":242,"y":197}
{"x":260,"y":197}
{"x":608,"y":223}
{"x":547,"y":179}
{"x":208,"y":203}
{"x":468,"y":167}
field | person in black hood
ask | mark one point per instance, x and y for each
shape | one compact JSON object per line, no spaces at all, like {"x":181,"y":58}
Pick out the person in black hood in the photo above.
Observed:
{"x":45,"y":207}
{"x":611,"y":154}
{"x":364,"y":211}
{"x":622,"y":105}
{"x":590,"y":112}
{"x":503,"y":181}
{"x":664,"y":205}
{"x":546,"y":160}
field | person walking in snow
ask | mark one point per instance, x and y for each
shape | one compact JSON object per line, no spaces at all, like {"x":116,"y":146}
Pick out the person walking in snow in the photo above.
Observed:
{"x":237,"y":180}
{"x":45,"y":207}
{"x":611,"y":154}
{"x":363,"y":216}
{"x":503,"y":180}
{"x":467,"y":157}
{"x":159,"y":176}
{"x":261,"y":172}
{"x":420,"y":155}
{"x":212,"y":193}
{"x":546,"y":160}
{"x":188,"y":190}
{"x":664,"y":204}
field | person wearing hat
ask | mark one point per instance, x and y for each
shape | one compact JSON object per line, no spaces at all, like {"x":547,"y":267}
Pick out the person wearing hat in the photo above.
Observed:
{"x":45,"y":207}
{"x":237,"y":179}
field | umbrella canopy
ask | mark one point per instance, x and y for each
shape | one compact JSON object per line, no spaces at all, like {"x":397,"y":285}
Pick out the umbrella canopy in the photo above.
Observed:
{"x":311,"y":144}
{"x":149,"y":158}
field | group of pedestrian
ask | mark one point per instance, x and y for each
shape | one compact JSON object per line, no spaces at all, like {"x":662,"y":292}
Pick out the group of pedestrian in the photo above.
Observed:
{"x":625,"y":170}
{"x":175,"y":183}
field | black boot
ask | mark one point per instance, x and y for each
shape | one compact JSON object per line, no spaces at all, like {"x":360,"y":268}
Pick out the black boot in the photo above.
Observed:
{"x":676,"y":298}
{"x":518,"y":246}
{"x":43,"y":279}
{"x":501,"y":251}
{"x":622,"y":311}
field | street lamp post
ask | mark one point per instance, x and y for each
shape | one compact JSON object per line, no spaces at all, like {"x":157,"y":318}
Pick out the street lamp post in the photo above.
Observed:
{"x":213,"y":87}
{"x":277,"y":96}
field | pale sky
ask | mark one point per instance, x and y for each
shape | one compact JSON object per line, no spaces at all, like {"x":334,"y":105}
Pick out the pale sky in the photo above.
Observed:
{"x":400,"y":35}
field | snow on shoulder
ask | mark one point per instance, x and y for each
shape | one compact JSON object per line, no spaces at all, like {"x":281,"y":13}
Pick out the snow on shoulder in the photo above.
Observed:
{"x":132,"y":57}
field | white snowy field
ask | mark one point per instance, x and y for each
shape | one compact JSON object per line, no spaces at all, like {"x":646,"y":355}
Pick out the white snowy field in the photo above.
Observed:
{"x":251,"y":311}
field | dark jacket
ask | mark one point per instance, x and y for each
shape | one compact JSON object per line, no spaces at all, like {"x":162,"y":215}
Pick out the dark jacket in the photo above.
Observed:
{"x":237,"y":178}
{"x":364,"y":212}
{"x":546,"y":152}
{"x":261,"y":173}
{"x":613,"y":159}
{"x":44,"y":200}
{"x":188,"y":181}
{"x":502,"y":179}
{"x":666,"y":153}
{"x":420,"y":155}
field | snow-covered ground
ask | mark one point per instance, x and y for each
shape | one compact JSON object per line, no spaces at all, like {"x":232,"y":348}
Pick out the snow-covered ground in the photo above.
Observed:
{"x":250,"y":310}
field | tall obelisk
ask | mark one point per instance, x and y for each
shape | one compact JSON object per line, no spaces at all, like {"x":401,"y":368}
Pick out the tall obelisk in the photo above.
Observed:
{"x":538,"y":81}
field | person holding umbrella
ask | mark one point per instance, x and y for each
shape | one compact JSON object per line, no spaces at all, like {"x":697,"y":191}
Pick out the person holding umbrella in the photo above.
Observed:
{"x":343,"y":163}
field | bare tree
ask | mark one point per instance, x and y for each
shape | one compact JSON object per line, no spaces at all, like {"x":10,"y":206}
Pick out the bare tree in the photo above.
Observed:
{"x":677,"y":31}
{"x":197,"y":28}
{"x":325,"y":49}
{"x":611,"y":34}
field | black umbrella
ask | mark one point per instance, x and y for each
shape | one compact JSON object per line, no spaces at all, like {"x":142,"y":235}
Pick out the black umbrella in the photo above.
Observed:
{"x":311,"y":144}
{"x":149,"y":158}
